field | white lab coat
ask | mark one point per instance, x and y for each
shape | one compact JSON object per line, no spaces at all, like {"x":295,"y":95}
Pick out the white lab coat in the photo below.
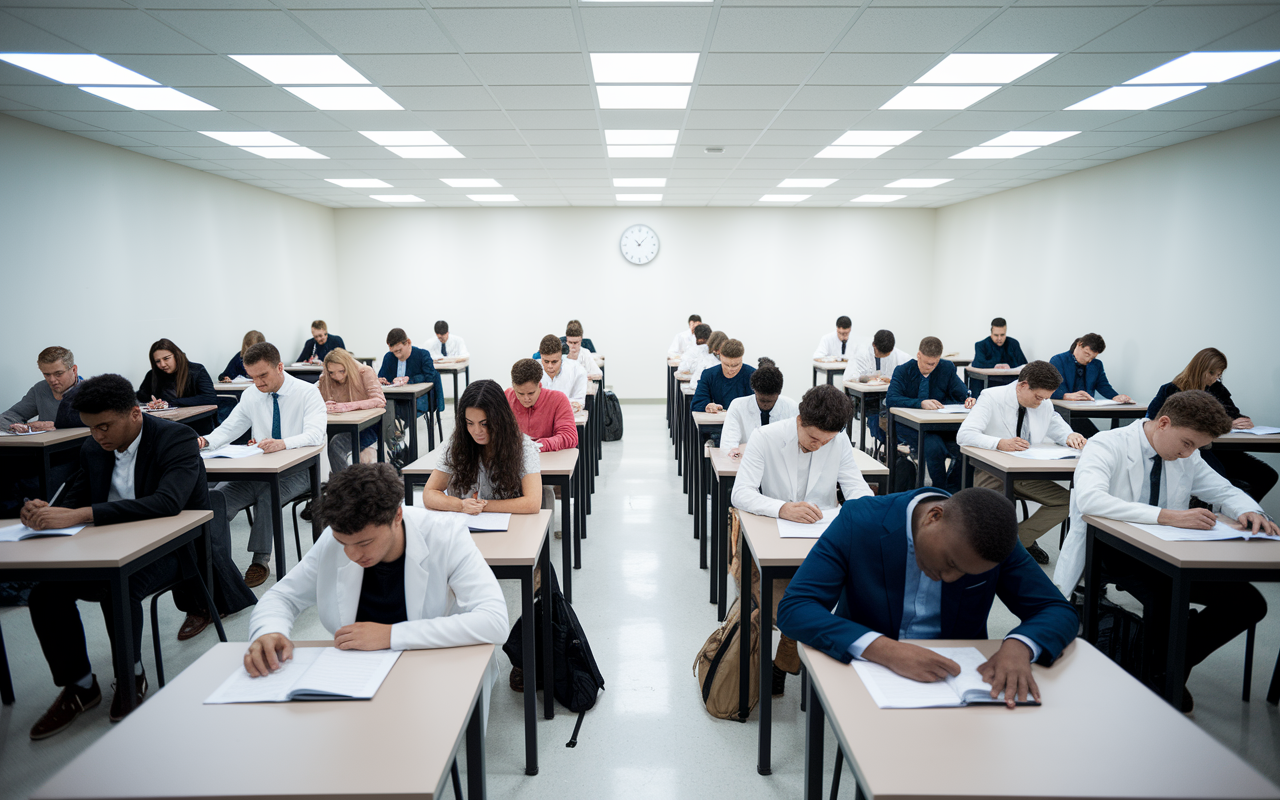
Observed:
{"x":682,"y":342}
{"x":995,"y":416}
{"x":691,"y":357}
{"x":770,"y":467}
{"x":744,"y":418}
{"x":705,"y":361}
{"x":1109,"y":482}
{"x":829,"y":347}
{"x":454,"y":348}
{"x":864,"y":362}
{"x":572,"y":380}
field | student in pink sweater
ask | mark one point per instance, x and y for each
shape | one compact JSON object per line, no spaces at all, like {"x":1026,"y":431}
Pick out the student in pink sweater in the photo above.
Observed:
{"x":348,"y":385}
{"x":544,"y":414}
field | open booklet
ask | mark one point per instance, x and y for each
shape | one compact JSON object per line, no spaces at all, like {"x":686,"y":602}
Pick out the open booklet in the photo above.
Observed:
{"x":1046,"y":452}
{"x":1221,"y":530}
{"x":806,"y":530}
{"x":488,"y":521}
{"x":233,"y":451}
{"x":314,"y":673}
{"x":953,"y":408}
{"x":891,"y":690}
{"x":21,"y":433}
{"x":1256,"y":430}
{"x":16,"y":533}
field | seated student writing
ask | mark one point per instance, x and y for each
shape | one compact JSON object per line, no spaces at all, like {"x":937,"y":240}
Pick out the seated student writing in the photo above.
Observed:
{"x":706,"y":360}
{"x":692,"y":356}
{"x":38,"y":408}
{"x":405,"y":364}
{"x":1011,"y":418}
{"x":134,"y":467}
{"x":281,"y":413}
{"x":999,"y":350}
{"x":836,"y":343}
{"x":1146,"y":473}
{"x":451,"y":346}
{"x":1083,"y":375}
{"x":928,"y":383}
{"x":685,"y":339}
{"x":562,"y":374}
{"x":348,"y":385}
{"x":174,"y":381}
{"x":488,"y":464}
{"x":875,"y":362}
{"x":764,"y":405}
{"x":927,"y":565}
{"x":725,"y":382}
{"x":1250,"y":475}
{"x":320,"y":344}
{"x":578,"y":350}
{"x":543,"y":415}
{"x":575,"y":324}
{"x":235,"y":367}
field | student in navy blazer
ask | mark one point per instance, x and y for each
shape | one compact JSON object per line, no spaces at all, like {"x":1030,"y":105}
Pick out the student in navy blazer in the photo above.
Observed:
{"x":406,"y":361}
{"x":1083,"y":375}
{"x":865,"y":562}
{"x":929,"y":382}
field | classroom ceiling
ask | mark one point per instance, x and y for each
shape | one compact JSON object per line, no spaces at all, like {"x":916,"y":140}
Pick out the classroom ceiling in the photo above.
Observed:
{"x":511,"y":86}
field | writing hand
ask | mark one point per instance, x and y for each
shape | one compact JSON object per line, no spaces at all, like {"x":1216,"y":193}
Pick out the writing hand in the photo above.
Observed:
{"x":1242,"y":423}
{"x":1077,"y":441}
{"x":930,"y":405}
{"x":969,"y":401}
{"x":267,"y":654}
{"x":1012,"y":445}
{"x":1123,"y":399}
{"x":363,"y":636}
{"x":807,"y":513}
{"x":29,"y":509}
{"x":1199,"y":519}
{"x":271,"y":445}
{"x":18,"y":427}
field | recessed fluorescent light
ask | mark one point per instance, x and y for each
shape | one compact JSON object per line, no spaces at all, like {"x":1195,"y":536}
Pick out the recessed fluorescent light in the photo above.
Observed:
{"x":875,"y":137}
{"x":302,"y":69}
{"x":641,"y":137}
{"x":641,"y":150}
{"x":472,"y":183}
{"x":944,"y":98}
{"x":426,"y":152}
{"x":77,"y":68}
{"x":250,"y":138}
{"x":644,"y":67}
{"x":639,"y":183}
{"x":994,"y":152}
{"x":877,"y":198}
{"x":1132,"y":98}
{"x":1028,"y":138}
{"x":784,"y":198}
{"x":389,"y":138}
{"x":359,"y":183}
{"x":984,"y":67}
{"x":494,"y":198}
{"x":807,"y":183}
{"x":643,"y":96}
{"x":917,"y":183}
{"x":397,"y":198}
{"x":149,"y":99}
{"x":1204,"y":67}
{"x":852,"y":152}
{"x":638,"y":198}
{"x":284,"y":152}
{"x":346,"y":98}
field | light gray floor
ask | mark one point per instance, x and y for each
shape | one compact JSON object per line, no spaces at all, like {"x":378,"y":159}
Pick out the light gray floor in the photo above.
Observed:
{"x":643,"y":603}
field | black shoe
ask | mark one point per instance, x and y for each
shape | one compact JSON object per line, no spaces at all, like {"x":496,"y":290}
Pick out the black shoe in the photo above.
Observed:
{"x":1037,"y":552}
{"x":117,"y":701}
{"x":305,"y":513}
{"x":1188,"y":704}
{"x":71,"y":703}
{"x":779,"y":682}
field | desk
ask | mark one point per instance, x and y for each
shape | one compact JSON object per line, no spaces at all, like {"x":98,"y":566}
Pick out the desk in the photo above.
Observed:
{"x":959,"y":362}
{"x":1083,"y":692}
{"x":108,"y":553}
{"x":828,"y":368}
{"x":305,"y":372}
{"x":270,"y":468}
{"x":704,"y":425}
{"x":979,"y":378}
{"x":1089,"y":409}
{"x":922,"y":422}
{"x":416,"y":722}
{"x":452,"y":367}
{"x":1009,"y":468}
{"x":516,"y":554}
{"x":405,"y":399}
{"x":673,"y":363}
{"x":583,"y":474}
{"x":1247,"y":442}
{"x":353,"y":422}
{"x":866,"y":405}
{"x":684,"y":422}
{"x":231,"y":387}
{"x":1182,"y":563}
{"x":41,"y":448}
{"x":680,"y":408}
{"x":185,"y":414}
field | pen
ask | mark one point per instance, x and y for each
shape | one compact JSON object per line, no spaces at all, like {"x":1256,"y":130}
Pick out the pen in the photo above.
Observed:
{"x":54,"y":499}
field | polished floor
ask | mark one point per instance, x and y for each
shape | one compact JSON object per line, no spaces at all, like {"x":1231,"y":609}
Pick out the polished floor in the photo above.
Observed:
{"x":643,"y":603}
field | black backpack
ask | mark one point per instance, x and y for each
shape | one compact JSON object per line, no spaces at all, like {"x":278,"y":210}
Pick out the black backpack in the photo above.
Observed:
{"x":1120,"y":638}
{"x":612,"y":418}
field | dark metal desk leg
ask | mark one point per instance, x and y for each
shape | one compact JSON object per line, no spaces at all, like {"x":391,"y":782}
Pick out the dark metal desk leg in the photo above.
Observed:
{"x":891,"y":450}
{"x":122,"y":625}
{"x":382,"y":444}
{"x":475,"y":751}
{"x":744,"y":629}
{"x":6,"y":680}
{"x":715,"y":554}
{"x":1092,"y":585}
{"x":544,"y":562}
{"x":566,"y":538}
{"x":814,"y":730}
{"x":722,"y":536}
{"x":355,"y":445}
{"x":966,"y":472}
{"x":530,"y":666}
{"x":1176,"y":658}
{"x":431,"y":432}
{"x":413,"y":430}
{"x":766,"y":671}
{"x":277,"y":524}
{"x":316,"y":529}
{"x":921,"y":432}
{"x":408,"y":491}
{"x":1008,"y":486}
{"x":576,"y":480}
{"x":190,"y":553}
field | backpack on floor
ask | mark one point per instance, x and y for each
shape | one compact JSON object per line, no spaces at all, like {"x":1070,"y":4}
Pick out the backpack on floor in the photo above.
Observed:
{"x":718,"y":665}
{"x":612,"y":418}
{"x":904,"y":477}
{"x":1120,"y":637}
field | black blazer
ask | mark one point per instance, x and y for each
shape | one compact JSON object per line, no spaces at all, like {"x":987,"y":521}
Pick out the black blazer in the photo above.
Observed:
{"x":199,"y":391}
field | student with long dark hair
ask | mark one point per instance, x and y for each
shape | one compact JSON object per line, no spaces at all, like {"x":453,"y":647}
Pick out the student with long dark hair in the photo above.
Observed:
{"x":174,"y":380}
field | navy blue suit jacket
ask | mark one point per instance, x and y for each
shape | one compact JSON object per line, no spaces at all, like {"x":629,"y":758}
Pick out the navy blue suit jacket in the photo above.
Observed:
{"x":420,"y":368}
{"x":860,"y":562}
{"x":714,"y":387}
{"x":1095,"y":377}
{"x":944,"y":385}
{"x":986,"y":355}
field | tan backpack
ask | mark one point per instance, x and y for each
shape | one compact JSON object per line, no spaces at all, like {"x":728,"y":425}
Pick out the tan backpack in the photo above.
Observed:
{"x":718,"y":664}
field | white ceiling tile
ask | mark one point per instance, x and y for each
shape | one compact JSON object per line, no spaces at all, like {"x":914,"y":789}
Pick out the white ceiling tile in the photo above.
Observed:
{"x":58,"y":98}
{"x":817,"y":120}
{"x":902,"y":120}
{"x":644,"y":30}
{"x":850,"y":97}
{"x":1183,"y":28}
{"x":951,"y":139}
{"x":538,"y":137}
{"x":1035,"y":98}
{"x":182,"y":71}
{"x":908,"y":30}
{"x":243,"y":32}
{"x":109,"y":31}
{"x":544,"y":97}
{"x":728,"y":119}
{"x":554,"y":119}
{"x":442,"y":98}
{"x":512,"y":69}
{"x":757,"y":68}
{"x":511,"y":30}
{"x":443,"y":120}
{"x":1095,"y":69}
{"x":888,"y":69}
{"x":414,"y":70}
{"x":267,"y":98}
{"x":17,"y":36}
{"x":199,"y":4}
{"x":1261,"y":35}
{"x":49,"y":119}
{"x":158,"y":152}
{"x":777,"y":136}
{"x":122,"y":120}
{"x":285,"y":121}
{"x":990,"y":120}
{"x":1226,"y":97}
{"x":1234,"y":119}
{"x":720,"y":137}
{"x":508,"y":136}
{"x":175,"y":138}
{"x":1160,"y":120}
{"x":791,"y":29}
{"x":1080,"y":120}
{"x":1046,"y":30}
{"x":638,"y":119}
{"x":770,"y":97}
{"x":378,"y":31}
{"x":568,"y":151}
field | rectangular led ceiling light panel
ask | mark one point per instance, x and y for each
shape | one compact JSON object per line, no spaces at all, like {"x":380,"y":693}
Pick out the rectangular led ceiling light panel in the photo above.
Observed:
{"x":643,"y":96}
{"x":938,"y":98}
{"x":638,"y":198}
{"x":994,"y":152}
{"x":641,"y":137}
{"x":149,"y":99}
{"x":284,"y":152}
{"x":984,"y":67}
{"x":641,"y":150}
{"x":852,"y":152}
{"x":302,"y":69}
{"x":784,"y":198}
{"x":1206,"y":67}
{"x":345,"y":98}
{"x":807,"y":183}
{"x":359,"y":183}
{"x":917,"y":183}
{"x":1132,"y":98}
{"x":644,"y":67}
{"x":397,"y":198}
{"x":1028,"y":138}
{"x":76,"y":68}
{"x":875,"y":137}
{"x":472,"y":183}
{"x":426,"y":152}
{"x":250,"y":138}
{"x":877,"y":198}
{"x":402,"y":138}
{"x":494,"y":198}
{"x":639,"y":183}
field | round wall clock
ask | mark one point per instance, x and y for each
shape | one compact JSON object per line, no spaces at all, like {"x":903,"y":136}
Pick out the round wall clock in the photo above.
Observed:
{"x":639,"y":244}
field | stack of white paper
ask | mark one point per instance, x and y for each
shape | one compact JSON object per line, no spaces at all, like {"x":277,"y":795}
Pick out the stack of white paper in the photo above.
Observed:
{"x":1256,"y":430}
{"x":16,"y":533}
{"x":233,"y":451}
{"x":806,"y":530}
{"x":953,"y":408}
{"x":1221,"y":530}
{"x":1046,"y":452}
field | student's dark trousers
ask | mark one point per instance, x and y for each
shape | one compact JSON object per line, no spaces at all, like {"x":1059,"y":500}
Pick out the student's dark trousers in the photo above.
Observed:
{"x":1249,"y":474}
{"x":1084,"y":427}
{"x":934,"y":452}
{"x":57,"y":623}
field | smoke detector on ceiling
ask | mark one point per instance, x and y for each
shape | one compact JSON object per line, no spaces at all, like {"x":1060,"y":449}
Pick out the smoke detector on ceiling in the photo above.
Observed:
{"x":713,"y":151}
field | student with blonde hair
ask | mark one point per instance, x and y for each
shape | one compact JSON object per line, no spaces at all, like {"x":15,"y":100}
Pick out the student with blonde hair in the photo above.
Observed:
{"x":58,"y":366}
{"x":347,"y":385}
{"x":235,"y":367}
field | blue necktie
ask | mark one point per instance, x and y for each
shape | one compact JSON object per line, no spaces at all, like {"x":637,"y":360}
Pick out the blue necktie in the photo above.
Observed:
{"x":275,"y":416}
{"x":1157,"y":467}
{"x":924,"y":387}
{"x":442,"y":349}
{"x":877,"y":363}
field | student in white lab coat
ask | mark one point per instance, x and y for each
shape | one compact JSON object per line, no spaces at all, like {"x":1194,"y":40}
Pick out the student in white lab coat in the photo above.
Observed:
{"x":451,"y":345}
{"x":585,"y":358}
{"x":764,"y":406}
{"x":1012,"y":418}
{"x":684,"y":340}
{"x":875,"y":362}
{"x":836,"y":343}
{"x":562,"y":374}
{"x":1146,"y":473}
{"x":693,"y":355}
{"x":709,"y":359}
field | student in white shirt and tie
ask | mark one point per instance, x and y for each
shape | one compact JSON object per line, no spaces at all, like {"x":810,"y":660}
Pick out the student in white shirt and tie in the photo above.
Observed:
{"x":1014,"y":417}
{"x":283,"y":414}
{"x":836,"y":343}
{"x":562,"y":374}
{"x":875,"y":362}
{"x":451,"y":345}
{"x":684,"y":340}
{"x":764,"y":406}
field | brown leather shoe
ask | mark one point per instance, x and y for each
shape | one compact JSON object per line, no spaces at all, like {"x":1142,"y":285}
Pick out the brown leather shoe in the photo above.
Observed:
{"x":193,"y":626}
{"x":517,"y":679}
{"x":71,"y":703}
{"x":787,"y":657}
{"x":256,"y":575}
{"x":117,"y":700}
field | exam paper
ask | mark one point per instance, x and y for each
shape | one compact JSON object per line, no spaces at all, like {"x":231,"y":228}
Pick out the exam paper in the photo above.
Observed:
{"x":806,"y":530}
{"x":14,"y":533}
{"x":1046,"y":452}
{"x":233,"y":451}
{"x":488,"y":521}
{"x":1256,"y":430}
{"x":1220,"y":531}
{"x":953,"y":408}
{"x":20,"y":433}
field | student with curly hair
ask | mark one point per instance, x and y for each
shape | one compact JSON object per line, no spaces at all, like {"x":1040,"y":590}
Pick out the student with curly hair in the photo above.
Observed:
{"x":764,"y":405}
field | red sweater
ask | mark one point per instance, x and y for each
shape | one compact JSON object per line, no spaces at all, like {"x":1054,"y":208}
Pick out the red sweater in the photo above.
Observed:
{"x":549,"y":421}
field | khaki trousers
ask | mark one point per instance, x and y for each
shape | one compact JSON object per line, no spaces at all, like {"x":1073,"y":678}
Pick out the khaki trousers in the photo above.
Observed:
{"x":1055,"y":504}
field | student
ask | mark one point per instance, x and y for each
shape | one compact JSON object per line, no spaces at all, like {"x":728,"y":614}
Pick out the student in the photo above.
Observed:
{"x":927,"y":565}
{"x":283,"y":414}
{"x":382,"y":576}
{"x":1011,"y":418}
{"x":348,"y":385}
{"x":709,"y":359}
{"x":1082,"y":375}
{"x":725,"y":382}
{"x":1250,"y":475}
{"x":40,"y":403}
{"x":1146,"y":473}
{"x":692,"y":356}
{"x":576,"y":325}
{"x":685,"y":339}
{"x":174,"y":381}
{"x":763,"y":406}
{"x":135,"y":467}
{"x":562,"y":374}
{"x":320,"y":343}
{"x":488,"y":464}
{"x":235,"y":367}
{"x":875,"y":362}
{"x":836,"y":343}
{"x":405,"y":364}
{"x":579,"y":350}
{"x":543,"y":415}
{"x":450,"y":346}
{"x":999,"y":350}
{"x":928,"y":383}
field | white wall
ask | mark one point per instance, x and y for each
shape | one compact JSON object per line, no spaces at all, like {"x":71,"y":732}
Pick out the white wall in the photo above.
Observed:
{"x":774,"y":278}
{"x":106,"y":251}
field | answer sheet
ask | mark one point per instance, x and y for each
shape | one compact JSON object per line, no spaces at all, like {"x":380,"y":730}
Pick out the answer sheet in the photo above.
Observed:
{"x":1046,"y":452}
{"x":1256,"y":430}
{"x":488,"y":521}
{"x":14,"y":533}
{"x":1219,"y":532}
{"x":953,"y":408}
{"x":806,"y":530}
{"x":233,"y":451}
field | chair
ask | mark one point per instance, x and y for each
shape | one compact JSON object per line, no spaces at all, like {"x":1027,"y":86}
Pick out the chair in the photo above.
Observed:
{"x":305,"y":497}
{"x":155,"y":615}
{"x":6,"y":680}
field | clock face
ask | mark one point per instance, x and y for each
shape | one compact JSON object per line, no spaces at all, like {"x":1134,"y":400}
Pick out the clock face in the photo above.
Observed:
{"x":639,"y":244}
